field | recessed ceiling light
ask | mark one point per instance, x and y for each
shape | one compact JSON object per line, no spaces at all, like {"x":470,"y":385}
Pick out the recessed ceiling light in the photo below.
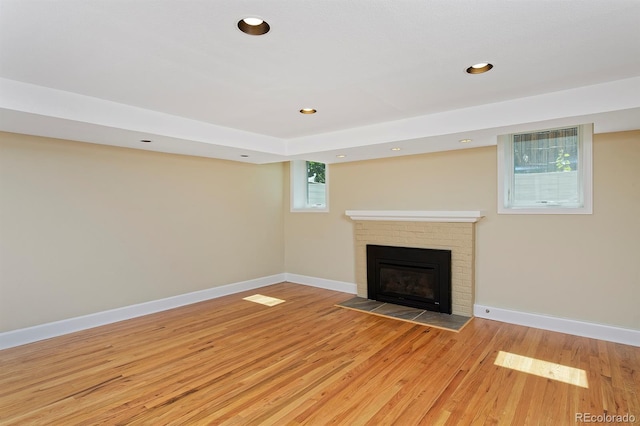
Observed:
{"x":308,"y":111}
{"x":340,"y":155}
{"x":254,"y":22}
{"x":395,"y":149}
{"x":145,"y":140}
{"x":253,"y":26}
{"x":479,"y":68}
{"x":465,"y":140}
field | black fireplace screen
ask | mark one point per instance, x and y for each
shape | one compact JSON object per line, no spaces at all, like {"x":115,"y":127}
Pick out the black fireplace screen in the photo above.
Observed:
{"x":415,"y":277}
{"x":403,"y":280}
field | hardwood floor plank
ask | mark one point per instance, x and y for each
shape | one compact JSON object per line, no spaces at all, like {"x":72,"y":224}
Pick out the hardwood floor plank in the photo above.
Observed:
{"x":229,"y":361}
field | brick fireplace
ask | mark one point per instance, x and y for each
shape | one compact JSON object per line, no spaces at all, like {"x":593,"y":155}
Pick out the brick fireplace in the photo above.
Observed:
{"x":453,"y":231}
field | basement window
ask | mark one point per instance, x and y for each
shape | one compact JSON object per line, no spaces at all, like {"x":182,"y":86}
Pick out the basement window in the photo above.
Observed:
{"x":309,"y":186}
{"x":546,"y":171}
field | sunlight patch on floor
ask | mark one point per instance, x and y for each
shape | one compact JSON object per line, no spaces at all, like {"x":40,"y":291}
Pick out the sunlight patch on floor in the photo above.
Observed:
{"x":537,"y":367}
{"x":263,"y":300}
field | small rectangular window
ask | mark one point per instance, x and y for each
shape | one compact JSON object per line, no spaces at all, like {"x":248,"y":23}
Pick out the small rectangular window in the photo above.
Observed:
{"x":309,"y":186}
{"x":546,"y":171}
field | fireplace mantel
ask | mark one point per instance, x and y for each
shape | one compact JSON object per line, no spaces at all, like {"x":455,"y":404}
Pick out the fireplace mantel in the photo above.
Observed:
{"x":416,"y":215}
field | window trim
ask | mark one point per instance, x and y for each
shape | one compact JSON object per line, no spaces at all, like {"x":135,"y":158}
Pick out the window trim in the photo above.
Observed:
{"x":585,"y":169}
{"x":298,"y":188}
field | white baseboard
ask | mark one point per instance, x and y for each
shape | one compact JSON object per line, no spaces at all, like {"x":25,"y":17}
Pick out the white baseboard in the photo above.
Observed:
{"x":342,"y":286}
{"x":578,"y":328}
{"x":45,"y":331}
{"x":23,"y":336}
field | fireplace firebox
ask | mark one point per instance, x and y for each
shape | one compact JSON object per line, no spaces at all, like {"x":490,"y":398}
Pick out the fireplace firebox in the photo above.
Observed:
{"x":415,"y":277}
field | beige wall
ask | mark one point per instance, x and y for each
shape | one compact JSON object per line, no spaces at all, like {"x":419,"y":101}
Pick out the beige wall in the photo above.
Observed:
{"x":86,"y":228}
{"x":582,"y":267}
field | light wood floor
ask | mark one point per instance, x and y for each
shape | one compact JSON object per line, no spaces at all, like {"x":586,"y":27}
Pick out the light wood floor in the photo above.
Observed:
{"x":305,"y":361}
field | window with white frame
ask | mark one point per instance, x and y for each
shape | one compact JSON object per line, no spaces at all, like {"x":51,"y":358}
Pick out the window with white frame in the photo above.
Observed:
{"x":546,"y":171}
{"x":309,"y":180}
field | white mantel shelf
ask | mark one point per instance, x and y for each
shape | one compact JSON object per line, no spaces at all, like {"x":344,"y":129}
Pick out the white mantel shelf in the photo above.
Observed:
{"x":416,"y":215}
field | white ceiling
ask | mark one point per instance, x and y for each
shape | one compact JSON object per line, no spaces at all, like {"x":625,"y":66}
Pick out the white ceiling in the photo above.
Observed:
{"x":381,"y":73}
